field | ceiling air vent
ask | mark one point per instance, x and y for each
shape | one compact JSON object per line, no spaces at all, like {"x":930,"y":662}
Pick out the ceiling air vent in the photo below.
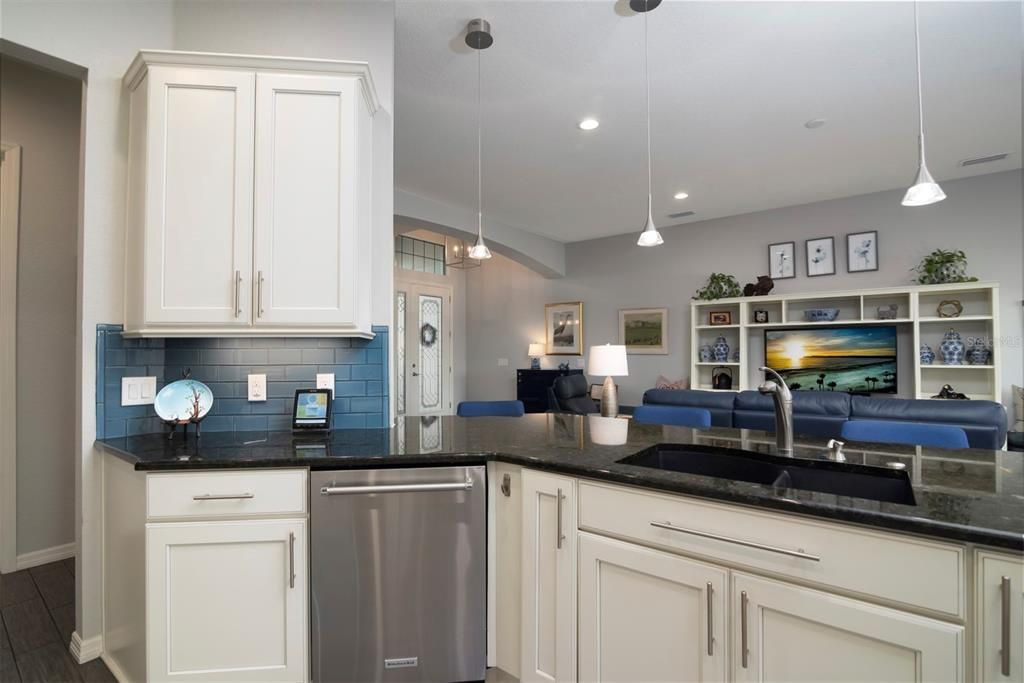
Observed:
{"x":984,"y":160}
{"x":681,"y":214}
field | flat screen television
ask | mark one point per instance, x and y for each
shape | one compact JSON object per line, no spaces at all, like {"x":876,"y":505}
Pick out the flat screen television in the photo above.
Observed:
{"x":852,"y":359}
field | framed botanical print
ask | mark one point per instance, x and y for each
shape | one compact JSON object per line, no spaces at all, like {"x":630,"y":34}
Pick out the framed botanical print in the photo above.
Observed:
{"x":782,"y":260}
{"x":862,"y":251}
{"x":821,"y":257}
{"x":644,"y":330}
{"x":563,"y":324}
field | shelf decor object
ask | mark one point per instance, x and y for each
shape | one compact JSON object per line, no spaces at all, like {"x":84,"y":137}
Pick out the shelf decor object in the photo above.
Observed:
{"x":707,"y":354}
{"x":817,"y":315}
{"x":719,"y":286}
{"x":721,"y":350}
{"x":942,"y":267}
{"x":478,"y":37}
{"x":949,"y":308}
{"x":184,"y":402}
{"x":610,"y":361}
{"x":925,"y":190}
{"x":720,"y":318}
{"x":952,"y":348}
{"x":920,"y":333}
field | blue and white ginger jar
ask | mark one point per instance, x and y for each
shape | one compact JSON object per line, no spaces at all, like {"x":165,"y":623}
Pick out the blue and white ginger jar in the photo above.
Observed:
{"x":721,"y":350}
{"x":952,"y":348}
{"x":927,"y":355}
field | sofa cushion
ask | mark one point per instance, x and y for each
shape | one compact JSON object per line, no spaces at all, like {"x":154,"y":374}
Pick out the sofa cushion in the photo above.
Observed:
{"x":718,"y":403}
{"x":823,"y":403}
{"x":983,"y":421}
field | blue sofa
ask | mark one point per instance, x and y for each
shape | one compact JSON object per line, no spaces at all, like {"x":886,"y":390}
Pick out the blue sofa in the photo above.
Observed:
{"x":822,"y":413}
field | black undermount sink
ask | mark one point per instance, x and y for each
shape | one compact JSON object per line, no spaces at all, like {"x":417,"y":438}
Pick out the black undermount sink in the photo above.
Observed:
{"x":823,"y":476}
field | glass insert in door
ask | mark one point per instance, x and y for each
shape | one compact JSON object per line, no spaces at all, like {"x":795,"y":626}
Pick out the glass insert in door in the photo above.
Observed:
{"x":431,"y":377}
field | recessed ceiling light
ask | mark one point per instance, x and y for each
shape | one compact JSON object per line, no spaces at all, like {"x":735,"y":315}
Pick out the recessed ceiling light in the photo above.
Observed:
{"x":815,"y":123}
{"x":680,"y":195}
{"x":589,"y":124}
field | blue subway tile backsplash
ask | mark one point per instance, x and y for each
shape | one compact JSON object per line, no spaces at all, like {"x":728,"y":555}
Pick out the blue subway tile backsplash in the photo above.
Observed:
{"x":359,"y":367}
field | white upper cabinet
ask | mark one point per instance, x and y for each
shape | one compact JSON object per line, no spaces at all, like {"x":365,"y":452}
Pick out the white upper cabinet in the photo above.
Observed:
{"x":248,"y":196}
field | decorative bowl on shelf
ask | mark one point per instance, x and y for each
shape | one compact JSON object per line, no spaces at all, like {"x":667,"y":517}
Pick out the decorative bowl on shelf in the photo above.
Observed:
{"x":184,"y":401}
{"x":817,"y":315}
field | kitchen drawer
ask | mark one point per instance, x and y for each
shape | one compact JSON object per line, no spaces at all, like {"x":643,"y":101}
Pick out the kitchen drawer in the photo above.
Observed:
{"x":226,"y":494}
{"x":896,"y":568}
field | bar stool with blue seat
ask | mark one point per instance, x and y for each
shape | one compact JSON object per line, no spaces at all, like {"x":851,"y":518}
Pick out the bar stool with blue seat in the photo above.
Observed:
{"x":490,"y":409}
{"x":673,"y":415}
{"x":909,"y":433}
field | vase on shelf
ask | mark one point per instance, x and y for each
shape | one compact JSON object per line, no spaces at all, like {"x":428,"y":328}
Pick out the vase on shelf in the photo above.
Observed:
{"x":979,"y":353}
{"x":707,"y":354}
{"x":927,"y":355}
{"x":721,"y":350}
{"x":952,"y":348}
{"x":736,"y":356}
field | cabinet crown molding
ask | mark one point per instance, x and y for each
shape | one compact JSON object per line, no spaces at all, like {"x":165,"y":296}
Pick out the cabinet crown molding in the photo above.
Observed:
{"x":146,"y":58}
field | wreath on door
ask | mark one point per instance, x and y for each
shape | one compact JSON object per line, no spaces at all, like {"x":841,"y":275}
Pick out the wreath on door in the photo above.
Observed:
{"x":428,"y":335}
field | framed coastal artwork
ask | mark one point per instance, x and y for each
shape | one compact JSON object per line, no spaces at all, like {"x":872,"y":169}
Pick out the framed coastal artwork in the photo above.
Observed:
{"x":782,"y":260}
{"x":563,"y":324}
{"x":644,"y":330}
{"x":821,"y":257}
{"x":862,"y":251}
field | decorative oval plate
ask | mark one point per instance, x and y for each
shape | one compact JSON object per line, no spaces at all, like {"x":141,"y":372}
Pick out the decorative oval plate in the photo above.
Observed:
{"x":184,"y":400}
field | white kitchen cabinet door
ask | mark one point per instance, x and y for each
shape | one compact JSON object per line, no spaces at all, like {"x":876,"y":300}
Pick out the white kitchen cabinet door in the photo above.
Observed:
{"x":508,"y":565}
{"x":646,"y":615}
{"x":227,"y":601}
{"x":548,"y":641}
{"x":783,"y":632}
{"x":197,"y":190}
{"x":310,"y":257}
{"x":999,"y":613}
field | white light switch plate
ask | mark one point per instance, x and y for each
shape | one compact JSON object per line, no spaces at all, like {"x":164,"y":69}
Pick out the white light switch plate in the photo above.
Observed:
{"x":579,"y":362}
{"x":138,"y":391}
{"x":325,"y":380}
{"x":257,"y":387}
{"x":503,"y":362}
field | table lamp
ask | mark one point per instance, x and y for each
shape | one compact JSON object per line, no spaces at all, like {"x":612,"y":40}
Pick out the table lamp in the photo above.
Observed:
{"x":608,"y":360}
{"x":535,"y":352}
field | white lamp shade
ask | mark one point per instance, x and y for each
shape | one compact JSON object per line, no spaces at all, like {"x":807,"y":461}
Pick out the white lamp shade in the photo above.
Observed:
{"x":537,"y":350}
{"x":608,"y":361}
{"x":924,"y":191}
{"x":608,"y":431}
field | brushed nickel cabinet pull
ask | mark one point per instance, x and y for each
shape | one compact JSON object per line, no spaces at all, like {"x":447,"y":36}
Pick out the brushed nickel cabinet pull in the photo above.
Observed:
{"x":1004,"y":651}
{"x":259,"y":294}
{"x":561,"y":536}
{"x":223,"y":496}
{"x":799,"y":553}
{"x":711,"y":623}
{"x":291,"y":560}
{"x":506,"y":485}
{"x":744,"y":650}
{"x":238,"y":287}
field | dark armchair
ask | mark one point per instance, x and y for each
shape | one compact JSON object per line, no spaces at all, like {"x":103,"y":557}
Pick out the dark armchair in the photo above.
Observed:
{"x":571,"y":394}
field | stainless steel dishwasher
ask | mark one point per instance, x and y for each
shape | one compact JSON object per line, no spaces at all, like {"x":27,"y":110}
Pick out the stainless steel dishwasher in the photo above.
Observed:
{"x":399,"y":575}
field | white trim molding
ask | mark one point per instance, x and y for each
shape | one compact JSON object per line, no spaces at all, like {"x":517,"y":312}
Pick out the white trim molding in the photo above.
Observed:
{"x":10,"y":183}
{"x":45,"y":556}
{"x":85,"y":650}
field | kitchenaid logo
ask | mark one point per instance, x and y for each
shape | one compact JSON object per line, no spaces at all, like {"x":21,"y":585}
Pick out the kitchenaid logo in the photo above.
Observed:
{"x":401,"y":662}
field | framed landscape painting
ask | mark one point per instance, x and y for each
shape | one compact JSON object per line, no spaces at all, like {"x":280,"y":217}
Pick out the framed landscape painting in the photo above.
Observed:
{"x":563,"y":325}
{"x":644,"y":330}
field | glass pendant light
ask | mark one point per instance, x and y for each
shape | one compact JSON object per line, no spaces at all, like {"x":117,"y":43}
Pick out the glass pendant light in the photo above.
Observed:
{"x":650,"y":237}
{"x":925,"y":190}
{"x":478,"y":37}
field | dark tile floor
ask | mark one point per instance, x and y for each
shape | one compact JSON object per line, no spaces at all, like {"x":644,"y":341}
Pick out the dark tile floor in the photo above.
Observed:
{"x":37,"y":618}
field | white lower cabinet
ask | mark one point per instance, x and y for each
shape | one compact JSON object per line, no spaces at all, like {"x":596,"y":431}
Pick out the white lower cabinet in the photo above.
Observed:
{"x":784,"y":632}
{"x":227,"y":601}
{"x":548,"y":646}
{"x":999,"y":615}
{"x":646,"y":615}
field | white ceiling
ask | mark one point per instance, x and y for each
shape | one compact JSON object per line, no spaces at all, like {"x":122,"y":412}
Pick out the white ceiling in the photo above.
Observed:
{"x":732,"y":85}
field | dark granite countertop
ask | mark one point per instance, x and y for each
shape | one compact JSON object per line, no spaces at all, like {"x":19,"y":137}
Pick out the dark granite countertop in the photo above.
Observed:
{"x":971,"y":495}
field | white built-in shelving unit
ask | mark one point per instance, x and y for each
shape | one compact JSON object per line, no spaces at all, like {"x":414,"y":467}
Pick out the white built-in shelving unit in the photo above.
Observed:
{"x":917,"y":322}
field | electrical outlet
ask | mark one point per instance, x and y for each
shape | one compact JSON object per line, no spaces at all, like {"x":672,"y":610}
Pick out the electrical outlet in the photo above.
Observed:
{"x":325,"y":380}
{"x":503,"y":362}
{"x":138,"y":391}
{"x":579,"y":363}
{"x":257,"y":387}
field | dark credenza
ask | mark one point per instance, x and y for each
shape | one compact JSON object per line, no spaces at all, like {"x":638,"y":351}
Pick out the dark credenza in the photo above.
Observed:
{"x":532,"y":387}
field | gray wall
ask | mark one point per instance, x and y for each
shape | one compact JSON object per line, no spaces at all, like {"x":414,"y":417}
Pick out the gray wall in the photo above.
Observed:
{"x":42,"y":113}
{"x":505,"y":301}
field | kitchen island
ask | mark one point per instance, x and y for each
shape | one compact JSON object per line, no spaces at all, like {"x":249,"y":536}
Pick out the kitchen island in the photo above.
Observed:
{"x":744,"y":571}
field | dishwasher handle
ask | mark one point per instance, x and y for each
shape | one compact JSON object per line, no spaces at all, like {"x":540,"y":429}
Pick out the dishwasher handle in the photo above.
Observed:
{"x":396,"y":488}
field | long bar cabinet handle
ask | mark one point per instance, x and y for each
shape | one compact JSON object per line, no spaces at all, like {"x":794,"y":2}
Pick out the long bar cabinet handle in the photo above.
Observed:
{"x":561,"y":536}
{"x":291,"y":559}
{"x":749,"y":544}
{"x":223,"y":496}
{"x":1004,"y":651}
{"x":711,"y":623}
{"x":744,"y":650}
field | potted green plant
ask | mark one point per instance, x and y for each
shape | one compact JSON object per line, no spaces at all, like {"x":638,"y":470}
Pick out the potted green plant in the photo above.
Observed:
{"x":719,"y":286}
{"x":942,"y":267}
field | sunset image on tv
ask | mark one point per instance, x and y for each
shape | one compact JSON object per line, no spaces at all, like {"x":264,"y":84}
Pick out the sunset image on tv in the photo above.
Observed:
{"x":861,"y":359}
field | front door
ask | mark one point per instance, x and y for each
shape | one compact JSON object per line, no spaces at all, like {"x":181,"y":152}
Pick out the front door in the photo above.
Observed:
{"x":423,"y":349}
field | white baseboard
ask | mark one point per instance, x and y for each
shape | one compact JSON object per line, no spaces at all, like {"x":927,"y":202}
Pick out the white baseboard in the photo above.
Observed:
{"x":86,"y":650}
{"x":45,"y":556}
{"x":115,"y":668}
